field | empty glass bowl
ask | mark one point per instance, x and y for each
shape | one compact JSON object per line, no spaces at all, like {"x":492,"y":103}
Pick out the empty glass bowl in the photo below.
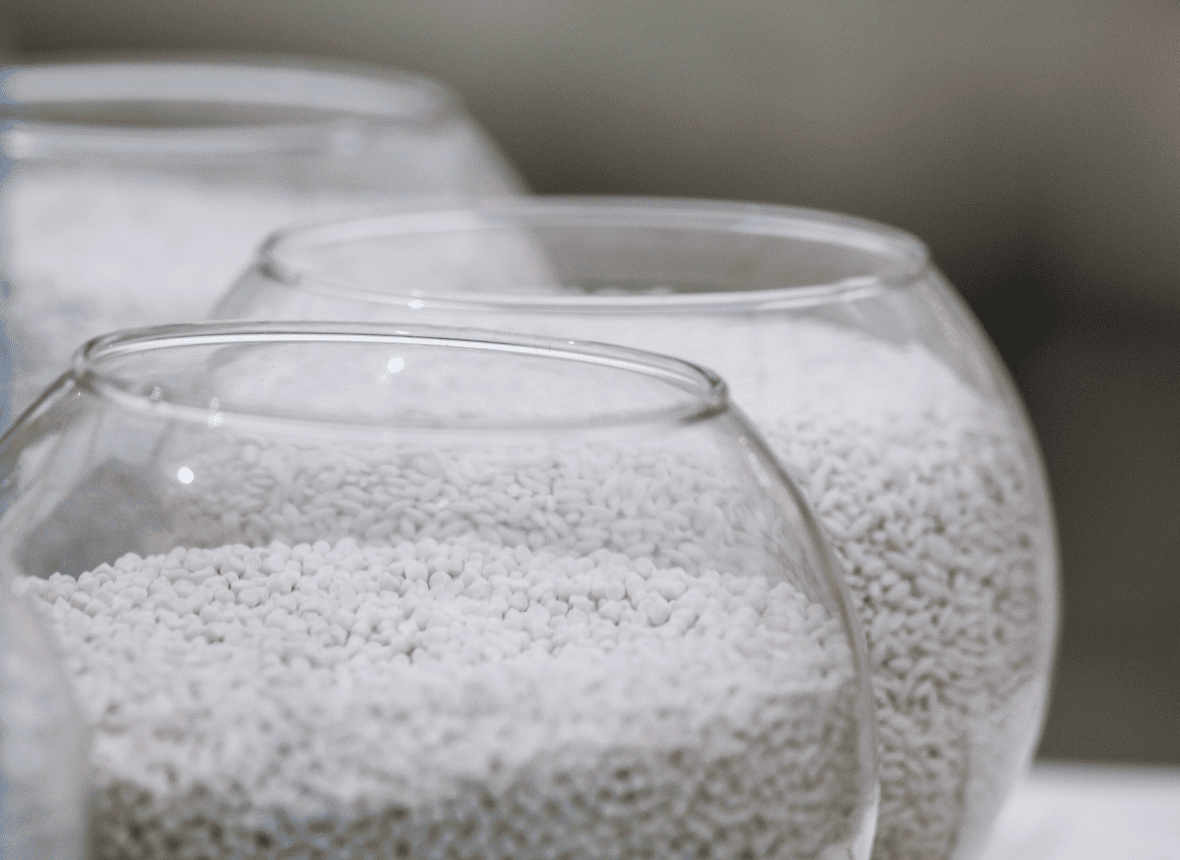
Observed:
{"x":139,"y":190}
{"x":413,"y":592}
{"x":870,"y":381}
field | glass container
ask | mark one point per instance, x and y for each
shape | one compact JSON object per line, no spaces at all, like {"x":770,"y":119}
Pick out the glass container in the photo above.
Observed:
{"x":364,"y":590}
{"x":139,"y":190}
{"x":44,"y":785}
{"x":867,"y":376}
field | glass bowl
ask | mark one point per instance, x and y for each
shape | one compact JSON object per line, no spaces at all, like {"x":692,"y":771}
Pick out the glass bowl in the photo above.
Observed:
{"x":44,"y":786}
{"x":870,"y":381}
{"x":140,"y":190}
{"x":357,"y":590}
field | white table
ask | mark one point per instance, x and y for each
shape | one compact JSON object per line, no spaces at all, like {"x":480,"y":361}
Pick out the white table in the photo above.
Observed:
{"x":1091,"y":812}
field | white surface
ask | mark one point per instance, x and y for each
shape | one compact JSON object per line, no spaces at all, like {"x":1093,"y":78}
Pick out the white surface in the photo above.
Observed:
{"x":1091,"y":812}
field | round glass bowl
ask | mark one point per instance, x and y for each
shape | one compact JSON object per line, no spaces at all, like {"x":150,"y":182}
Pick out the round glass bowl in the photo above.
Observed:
{"x":870,"y":381}
{"x":44,"y":774}
{"x":140,"y":190}
{"x":346,"y":589}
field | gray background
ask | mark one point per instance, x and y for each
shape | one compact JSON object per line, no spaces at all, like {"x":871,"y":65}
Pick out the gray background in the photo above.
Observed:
{"x":1035,"y":146}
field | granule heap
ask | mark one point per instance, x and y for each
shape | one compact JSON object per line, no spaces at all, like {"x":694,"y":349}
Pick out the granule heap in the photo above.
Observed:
{"x":676,"y":505}
{"x":921,"y":482}
{"x":928,"y":491}
{"x":454,"y":698}
{"x":928,"y":494}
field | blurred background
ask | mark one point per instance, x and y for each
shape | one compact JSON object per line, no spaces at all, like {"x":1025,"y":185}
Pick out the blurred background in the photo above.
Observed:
{"x":1034,"y":146}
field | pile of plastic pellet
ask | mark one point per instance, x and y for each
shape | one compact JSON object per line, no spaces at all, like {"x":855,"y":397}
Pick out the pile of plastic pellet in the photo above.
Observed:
{"x":675,"y":506}
{"x":454,"y":698}
{"x":924,"y":488}
{"x":928,"y":493}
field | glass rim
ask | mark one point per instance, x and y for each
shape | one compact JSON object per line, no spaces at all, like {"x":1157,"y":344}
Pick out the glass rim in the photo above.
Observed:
{"x":907,"y":257}
{"x":708,"y":394}
{"x":356,"y":99}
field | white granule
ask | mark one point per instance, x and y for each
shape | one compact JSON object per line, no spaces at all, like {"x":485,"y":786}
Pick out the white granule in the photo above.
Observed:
{"x":528,"y":653}
{"x":453,"y":699}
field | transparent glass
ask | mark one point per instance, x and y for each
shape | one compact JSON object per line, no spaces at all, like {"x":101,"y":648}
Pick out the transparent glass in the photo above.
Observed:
{"x":869,"y":380}
{"x":139,"y":190}
{"x":354,"y":590}
{"x":44,"y":785}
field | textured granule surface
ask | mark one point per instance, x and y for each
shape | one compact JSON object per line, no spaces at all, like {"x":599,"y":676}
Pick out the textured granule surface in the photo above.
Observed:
{"x":920,"y":481}
{"x":546,"y":654}
{"x":674,"y":505}
{"x":930,"y":500}
{"x":452,"y":699}
{"x":930,"y":495}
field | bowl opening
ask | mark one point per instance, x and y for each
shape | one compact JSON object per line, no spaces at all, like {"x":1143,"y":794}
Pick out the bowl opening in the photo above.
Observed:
{"x":392,"y":378}
{"x":613,"y":254}
{"x":145,"y":106}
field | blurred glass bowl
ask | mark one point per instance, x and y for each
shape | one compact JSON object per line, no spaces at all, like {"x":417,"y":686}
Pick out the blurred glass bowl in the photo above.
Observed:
{"x":139,"y":190}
